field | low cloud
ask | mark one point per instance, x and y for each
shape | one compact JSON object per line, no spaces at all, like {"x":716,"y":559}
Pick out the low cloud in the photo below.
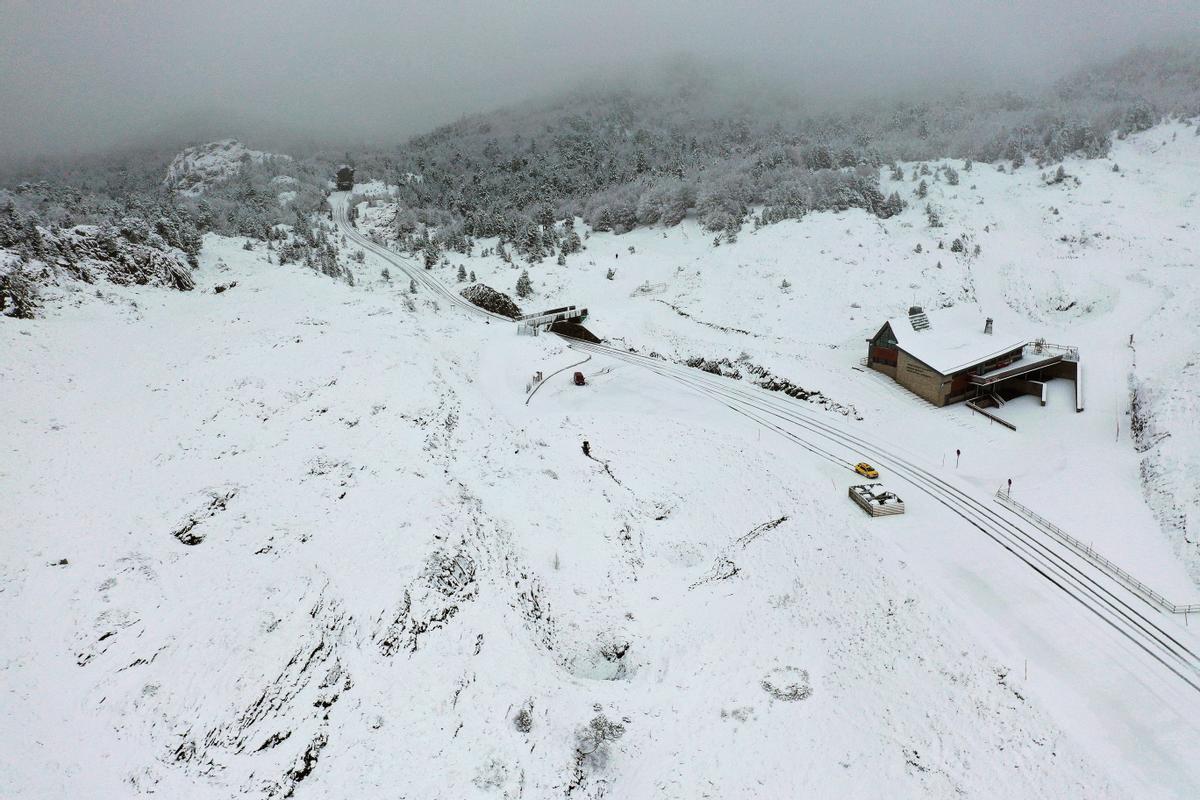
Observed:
{"x":85,"y":77}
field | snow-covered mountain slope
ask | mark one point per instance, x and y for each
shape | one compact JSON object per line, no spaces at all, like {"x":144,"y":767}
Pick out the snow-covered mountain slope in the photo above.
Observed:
{"x":303,"y":539}
{"x":197,"y":168}
{"x":1087,"y":261}
{"x":299,"y":538}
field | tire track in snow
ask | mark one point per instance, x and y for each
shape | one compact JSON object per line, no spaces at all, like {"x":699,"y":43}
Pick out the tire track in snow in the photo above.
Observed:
{"x":1048,"y":561}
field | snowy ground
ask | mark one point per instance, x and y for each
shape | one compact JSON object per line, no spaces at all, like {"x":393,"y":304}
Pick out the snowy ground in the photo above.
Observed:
{"x":316,"y":543}
{"x":1084,"y":265}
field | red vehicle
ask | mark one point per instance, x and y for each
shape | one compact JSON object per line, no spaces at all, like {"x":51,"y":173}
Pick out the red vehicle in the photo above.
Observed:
{"x":579,"y":381}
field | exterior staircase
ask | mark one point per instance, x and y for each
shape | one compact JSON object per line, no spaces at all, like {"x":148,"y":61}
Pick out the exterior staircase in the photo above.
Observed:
{"x":920,"y":322}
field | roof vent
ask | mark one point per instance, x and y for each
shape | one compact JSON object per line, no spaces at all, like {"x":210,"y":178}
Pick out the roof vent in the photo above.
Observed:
{"x":987,"y":326}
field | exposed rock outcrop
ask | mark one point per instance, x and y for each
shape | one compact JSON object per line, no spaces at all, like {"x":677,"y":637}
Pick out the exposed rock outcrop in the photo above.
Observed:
{"x":489,"y":299}
{"x":197,"y":168}
{"x":131,"y":253}
{"x":122,"y":257}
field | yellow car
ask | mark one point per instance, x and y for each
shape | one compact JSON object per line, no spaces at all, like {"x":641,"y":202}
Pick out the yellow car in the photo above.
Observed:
{"x":866,"y":470}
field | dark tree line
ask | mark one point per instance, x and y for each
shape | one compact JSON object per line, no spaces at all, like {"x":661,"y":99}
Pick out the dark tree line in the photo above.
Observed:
{"x":633,"y":156}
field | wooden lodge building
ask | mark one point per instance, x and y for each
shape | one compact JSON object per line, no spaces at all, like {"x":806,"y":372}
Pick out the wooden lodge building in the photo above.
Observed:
{"x":952,"y":355}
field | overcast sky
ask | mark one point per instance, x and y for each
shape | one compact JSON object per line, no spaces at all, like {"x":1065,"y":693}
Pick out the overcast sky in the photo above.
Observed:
{"x":84,"y":76}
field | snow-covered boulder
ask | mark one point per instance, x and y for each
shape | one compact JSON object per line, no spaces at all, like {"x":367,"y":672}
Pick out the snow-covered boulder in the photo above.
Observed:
{"x":197,"y":168}
{"x":489,"y":299}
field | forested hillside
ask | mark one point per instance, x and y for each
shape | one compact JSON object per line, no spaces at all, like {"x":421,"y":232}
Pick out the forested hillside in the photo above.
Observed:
{"x":685,"y":140}
{"x":688,"y":140}
{"x":133,"y":218}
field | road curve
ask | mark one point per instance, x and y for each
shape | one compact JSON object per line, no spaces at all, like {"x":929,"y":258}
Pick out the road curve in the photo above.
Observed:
{"x":338,"y":202}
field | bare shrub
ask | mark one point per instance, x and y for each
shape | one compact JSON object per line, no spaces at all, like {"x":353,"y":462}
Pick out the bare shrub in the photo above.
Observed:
{"x":523,"y":719}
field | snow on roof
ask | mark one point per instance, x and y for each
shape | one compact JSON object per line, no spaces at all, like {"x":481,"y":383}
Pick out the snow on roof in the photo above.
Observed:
{"x":875,"y":493}
{"x":954,"y":339}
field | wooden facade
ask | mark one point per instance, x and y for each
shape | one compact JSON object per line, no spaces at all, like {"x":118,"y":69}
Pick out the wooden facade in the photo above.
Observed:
{"x":886,"y":355}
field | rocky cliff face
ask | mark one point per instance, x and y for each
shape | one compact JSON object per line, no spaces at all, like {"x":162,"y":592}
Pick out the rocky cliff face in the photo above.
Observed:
{"x":115,"y":255}
{"x":132,"y":254}
{"x":197,"y":168}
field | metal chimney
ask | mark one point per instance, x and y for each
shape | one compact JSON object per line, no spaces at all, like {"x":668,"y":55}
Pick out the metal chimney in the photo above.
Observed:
{"x":987,"y":326}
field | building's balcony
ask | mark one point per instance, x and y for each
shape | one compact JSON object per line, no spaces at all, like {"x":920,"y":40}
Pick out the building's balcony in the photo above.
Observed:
{"x":1034,"y":356}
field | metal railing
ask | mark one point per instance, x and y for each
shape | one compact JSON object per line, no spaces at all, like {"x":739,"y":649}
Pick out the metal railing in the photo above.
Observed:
{"x":1097,"y":560}
{"x":564,"y":314}
{"x":547,"y":313}
{"x":971,"y":404}
{"x":1042,"y":347}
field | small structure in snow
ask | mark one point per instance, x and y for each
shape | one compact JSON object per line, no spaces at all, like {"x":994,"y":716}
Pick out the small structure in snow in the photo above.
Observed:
{"x":876,"y":500}
{"x":565,"y":321}
{"x":553,"y":315}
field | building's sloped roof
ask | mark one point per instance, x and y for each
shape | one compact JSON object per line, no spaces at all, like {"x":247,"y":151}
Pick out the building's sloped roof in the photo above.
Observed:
{"x":955,"y":339}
